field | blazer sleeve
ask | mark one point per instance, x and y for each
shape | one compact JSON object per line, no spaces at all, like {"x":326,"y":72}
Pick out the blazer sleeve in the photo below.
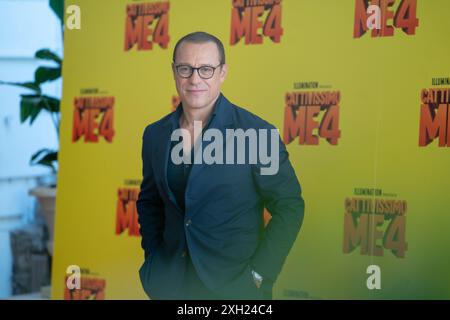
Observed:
{"x":149,"y":204}
{"x":281,"y":194}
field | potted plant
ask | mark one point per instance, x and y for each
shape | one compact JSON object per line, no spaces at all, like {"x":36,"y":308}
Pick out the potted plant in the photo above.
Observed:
{"x":34,"y":103}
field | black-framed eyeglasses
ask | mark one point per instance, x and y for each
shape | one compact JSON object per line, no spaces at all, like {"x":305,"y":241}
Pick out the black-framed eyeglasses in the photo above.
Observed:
{"x":205,"y":72}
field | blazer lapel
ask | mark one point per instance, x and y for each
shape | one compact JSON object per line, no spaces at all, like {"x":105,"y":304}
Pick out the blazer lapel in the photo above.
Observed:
{"x":162,"y":153}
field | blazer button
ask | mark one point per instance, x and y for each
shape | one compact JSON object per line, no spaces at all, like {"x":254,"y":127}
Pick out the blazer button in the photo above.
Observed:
{"x":188,"y":222}
{"x":184,"y":254}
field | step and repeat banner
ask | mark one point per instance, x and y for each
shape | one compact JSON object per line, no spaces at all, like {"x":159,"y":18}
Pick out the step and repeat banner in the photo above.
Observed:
{"x":360,"y":91}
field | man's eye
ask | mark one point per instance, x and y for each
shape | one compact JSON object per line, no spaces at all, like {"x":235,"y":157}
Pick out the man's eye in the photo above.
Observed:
{"x":184,"y":69}
{"x":205,"y":69}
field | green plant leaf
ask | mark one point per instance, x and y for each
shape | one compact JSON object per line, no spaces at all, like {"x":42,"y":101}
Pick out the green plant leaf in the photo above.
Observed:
{"x":50,"y":104}
{"x":46,"y":54}
{"x":32,"y":105}
{"x":44,"y":74}
{"x":58,"y":8}
{"x":29,"y":85}
{"x":29,"y":107}
{"x":45,"y":157}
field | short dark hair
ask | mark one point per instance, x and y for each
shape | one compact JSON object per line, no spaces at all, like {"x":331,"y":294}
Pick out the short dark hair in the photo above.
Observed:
{"x":202,"y":37}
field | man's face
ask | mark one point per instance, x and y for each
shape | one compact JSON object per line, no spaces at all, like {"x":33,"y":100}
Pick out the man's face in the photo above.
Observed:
{"x":196,"y":92}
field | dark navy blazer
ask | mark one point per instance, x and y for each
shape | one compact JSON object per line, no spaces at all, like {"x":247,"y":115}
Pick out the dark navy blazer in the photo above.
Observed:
{"x":222,"y":226}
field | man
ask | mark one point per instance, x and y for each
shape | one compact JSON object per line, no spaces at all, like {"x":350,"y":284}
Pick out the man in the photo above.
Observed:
{"x":202,"y":224}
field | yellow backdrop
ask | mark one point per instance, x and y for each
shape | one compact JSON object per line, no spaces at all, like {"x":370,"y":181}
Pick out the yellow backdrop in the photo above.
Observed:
{"x":352,"y":104}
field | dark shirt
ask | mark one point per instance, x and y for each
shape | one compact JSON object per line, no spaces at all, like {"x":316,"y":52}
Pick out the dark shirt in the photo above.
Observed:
{"x":178,"y":174}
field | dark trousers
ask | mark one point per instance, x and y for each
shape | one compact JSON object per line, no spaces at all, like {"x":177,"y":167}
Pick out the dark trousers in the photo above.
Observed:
{"x":194,"y":289}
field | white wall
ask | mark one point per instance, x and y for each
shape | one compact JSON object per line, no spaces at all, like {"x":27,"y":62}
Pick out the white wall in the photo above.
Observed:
{"x":25,"y":27}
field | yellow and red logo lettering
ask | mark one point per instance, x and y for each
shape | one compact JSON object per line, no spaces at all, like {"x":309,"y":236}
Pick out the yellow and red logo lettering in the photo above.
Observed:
{"x":310,"y":115}
{"x":93,"y":117}
{"x":248,"y":17}
{"x":364,"y":226}
{"x":146,"y":24}
{"x":91,"y":289}
{"x":380,"y":12}
{"x":126,"y":212}
{"x":435,"y":117}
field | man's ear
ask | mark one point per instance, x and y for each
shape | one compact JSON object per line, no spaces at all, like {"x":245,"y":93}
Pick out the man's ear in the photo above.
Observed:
{"x":223,"y":72}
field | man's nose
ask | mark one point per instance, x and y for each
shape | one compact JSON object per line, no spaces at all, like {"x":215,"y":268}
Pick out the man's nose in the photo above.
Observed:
{"x":195,"y":78}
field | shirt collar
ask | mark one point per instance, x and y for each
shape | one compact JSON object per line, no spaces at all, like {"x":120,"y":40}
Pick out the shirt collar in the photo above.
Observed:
{"x":179,"y":111}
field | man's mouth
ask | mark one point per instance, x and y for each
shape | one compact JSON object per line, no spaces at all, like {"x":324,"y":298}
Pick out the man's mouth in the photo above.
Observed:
{"x":195,"y":91}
